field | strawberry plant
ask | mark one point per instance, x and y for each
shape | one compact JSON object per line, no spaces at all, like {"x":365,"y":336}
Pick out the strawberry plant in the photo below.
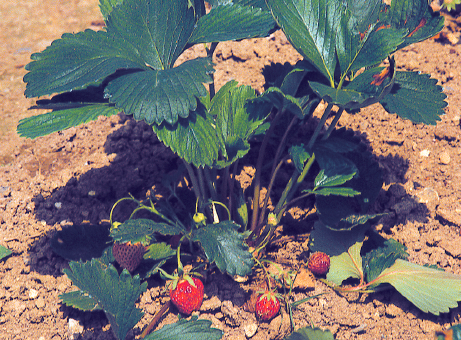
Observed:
{"x":130,"y":66}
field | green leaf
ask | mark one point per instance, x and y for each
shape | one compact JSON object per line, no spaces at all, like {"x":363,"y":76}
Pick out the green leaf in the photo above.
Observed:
{"x":232,"y":22}
{"x":382,"y":257}
{"x":106,"y":7}
{"x":431,"y":290}
{"x":416,"y":97}
{"x":142,"y":230}
{"x":79,"y":300}
{"x":364,"y":90}
{"x":81,"y":242}
{"x":234,"y":123}
{"x":78,"y":60}
{"x":187,"y":330}
{"x":346,"y":265}
{"x":115,"y":294}
{"x":299,"y":155}
{"x":339,"y":191}
{"x":142,"y":41}
{"x":308,"y":333}
{"x":226,"y":247}
{"x":335,"y":242}
{"x":194,"y":139}
{"x":4,"y":252}
{"x":453,"y":333}
{"x":62,"y":119}
{"x":416,"y":17}
{"x":159,"y":251}
{"x":161,"y":95}
{"x":310,"y":27}
{"x":322,"y":180}
{"x":281,"y":101}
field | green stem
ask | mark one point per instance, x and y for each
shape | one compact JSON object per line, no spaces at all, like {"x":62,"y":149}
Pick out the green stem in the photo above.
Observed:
{"x":333,"y":124}
{"x":269,"y":189}
{"x":209,"y":53}
{"x":257,"y":180}
{"x":201,"y":182}
{"x":193,"y":178}
{"x":291,"y":188}
{"x":211,"y":184}
{"x":316,"y":133}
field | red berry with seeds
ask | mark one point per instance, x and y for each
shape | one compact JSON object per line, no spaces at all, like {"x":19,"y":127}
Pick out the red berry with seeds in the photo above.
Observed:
{"x":128,"y":255}
{"x":319,"y":263}
{"x":187,"y":294}
{"x":267,"y":306}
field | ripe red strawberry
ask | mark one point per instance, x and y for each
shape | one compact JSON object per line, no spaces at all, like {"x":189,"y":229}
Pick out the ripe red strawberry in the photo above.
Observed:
{"x":128,"y":255}
{"x":319,"y":263}
{"x":187,"y":294}
{"x":267,"y":306}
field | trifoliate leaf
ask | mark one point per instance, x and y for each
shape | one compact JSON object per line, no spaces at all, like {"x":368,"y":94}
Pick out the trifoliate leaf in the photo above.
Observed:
{"x":308,"y":333}
{"x":430,"y":290}
{"x":4,"y":252}
{"x":80,"y":300}
{"x":81,"y":242}
{"x":346,"y":265}
{"x":114,"y":294}
{"x":416,"y":97}
{"x":142,"y":230}
{"x":226,"y":247}
{"x":187,"y":330}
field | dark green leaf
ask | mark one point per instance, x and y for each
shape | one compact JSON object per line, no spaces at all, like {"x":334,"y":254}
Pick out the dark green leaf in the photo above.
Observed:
{"x":308,"y":333}
{"x":364,"y":90}
{"x":106,"y":7}
{"x":142,"y":230}
{"x":161,"y":95}
{"x":310,"y":27}
{"x":79,"y":300}
{"x":416,"y":97}
{"x":115,"y":294}
{"x":226,"y":247}
{"x":416,"y":17}
{"x":335,"y":242}
{"x":4,"y":252}
{"x":299,"y":155}
{"x":81,"y":242}
{"x":281,"y":101}
{"x":382,"y":257}
{"x":44,"y":124}
{"x":194,"y":139}
{"x":187,"y":330}
{"x":232,"y":22}
{"x":78,"y":60}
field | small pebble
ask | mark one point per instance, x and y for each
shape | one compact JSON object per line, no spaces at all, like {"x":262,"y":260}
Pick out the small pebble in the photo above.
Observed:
{"x":250,"y":329}
{"x":444,"y":158}
{"x":33,"y":293}
{"x":424,"y":153}
{"x":40,"y":303}
{"x":58,"y":205}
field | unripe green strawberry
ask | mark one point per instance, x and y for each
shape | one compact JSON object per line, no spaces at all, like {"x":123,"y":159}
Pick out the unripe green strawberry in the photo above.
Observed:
{"x":128,"y":255}
{"x":187,"y":294}
{"x":319,"y":263}
{"x":267,"y":306}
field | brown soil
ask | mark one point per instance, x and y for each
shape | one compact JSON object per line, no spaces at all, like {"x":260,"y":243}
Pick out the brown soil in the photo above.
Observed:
{"x":45,"y":185}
